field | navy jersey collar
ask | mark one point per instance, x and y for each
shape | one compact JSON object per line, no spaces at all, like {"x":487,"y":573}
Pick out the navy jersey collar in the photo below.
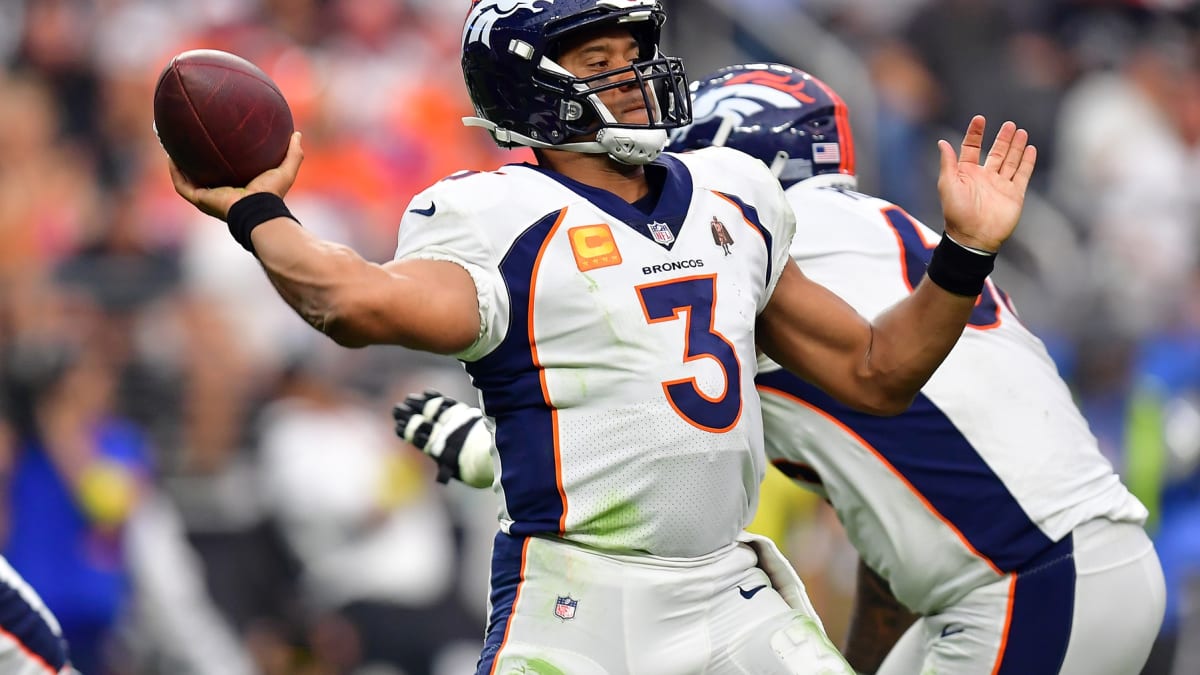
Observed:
{"x":672,"y":207}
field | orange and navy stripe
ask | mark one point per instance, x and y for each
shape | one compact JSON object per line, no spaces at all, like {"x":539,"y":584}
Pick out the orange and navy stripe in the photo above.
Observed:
{"x":1041,"y":609}
{"x":509,"y":559}
{"x":513,"y":384}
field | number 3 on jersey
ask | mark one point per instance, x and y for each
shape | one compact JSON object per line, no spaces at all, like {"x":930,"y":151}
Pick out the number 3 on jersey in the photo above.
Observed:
{"x":916,"y":253}
{"x":665,"y":301}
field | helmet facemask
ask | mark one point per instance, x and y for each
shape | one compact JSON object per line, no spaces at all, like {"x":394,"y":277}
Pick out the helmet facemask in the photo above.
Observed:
{"x":663,"y":87}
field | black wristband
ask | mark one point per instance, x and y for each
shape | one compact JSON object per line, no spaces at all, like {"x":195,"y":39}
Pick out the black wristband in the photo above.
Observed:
{"x":960,"y":270}
{"x":251,"y":211}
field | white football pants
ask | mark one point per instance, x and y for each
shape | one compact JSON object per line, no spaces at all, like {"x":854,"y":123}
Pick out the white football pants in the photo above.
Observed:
{"x":1093,"y":606}
{"x":561,"y":609}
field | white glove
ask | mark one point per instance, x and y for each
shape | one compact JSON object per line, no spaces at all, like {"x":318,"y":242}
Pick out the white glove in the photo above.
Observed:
{"x":454,"y":434}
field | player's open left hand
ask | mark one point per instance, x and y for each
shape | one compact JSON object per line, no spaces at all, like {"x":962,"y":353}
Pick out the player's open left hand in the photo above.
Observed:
{"x":982,"y":202}
{"x":217,"y":201}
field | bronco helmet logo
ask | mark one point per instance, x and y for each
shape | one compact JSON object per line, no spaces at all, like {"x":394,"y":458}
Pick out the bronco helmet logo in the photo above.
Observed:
{"x":485,"y":13}
{"x":791,"y":121}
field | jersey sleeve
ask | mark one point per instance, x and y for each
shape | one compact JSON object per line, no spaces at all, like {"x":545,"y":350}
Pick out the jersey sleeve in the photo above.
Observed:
{"x":434,"y":227}
{"x":775,"y":213}
{"x":735,"y":172}
{"x":779,"y":219}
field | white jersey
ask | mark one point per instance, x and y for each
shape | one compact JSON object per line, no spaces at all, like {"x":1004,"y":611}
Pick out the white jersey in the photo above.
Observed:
{"x":992,"y":463}
{"x":616,"y":350}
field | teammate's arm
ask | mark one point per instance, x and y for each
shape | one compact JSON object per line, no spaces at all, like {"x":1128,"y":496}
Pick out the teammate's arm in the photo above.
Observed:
{"x":877,"y":621}
{"x":420,"y":304}
{"x":879,"y":366}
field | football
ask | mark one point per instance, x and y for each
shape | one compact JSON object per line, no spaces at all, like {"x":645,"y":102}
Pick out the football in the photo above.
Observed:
{"x":220,"y":118}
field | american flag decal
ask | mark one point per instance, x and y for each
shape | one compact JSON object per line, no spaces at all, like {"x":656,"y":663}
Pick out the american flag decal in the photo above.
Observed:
{"x":826,"y":153}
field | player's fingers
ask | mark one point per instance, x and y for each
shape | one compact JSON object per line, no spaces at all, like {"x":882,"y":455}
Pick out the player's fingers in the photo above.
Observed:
{"x":408,"y":429}
{"x":182,"y":185}
{"x":421,"y":430}
{"x":416,"y":401}
{"x":1025,"y":169}
{"x":295,"y":155}
{"x":1015,"y":152}
{"x":949,"y":161}
{"x":972,"y":144}
{"x":999,"y":150}
{"x":402,"y":411}
{"x":437,"y":406}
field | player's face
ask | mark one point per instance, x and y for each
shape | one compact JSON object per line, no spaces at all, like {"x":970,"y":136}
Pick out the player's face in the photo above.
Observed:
{"x":604,"y":50}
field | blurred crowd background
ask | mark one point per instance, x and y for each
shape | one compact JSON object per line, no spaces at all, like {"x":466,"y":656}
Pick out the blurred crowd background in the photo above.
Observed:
{"x":197,"y":483}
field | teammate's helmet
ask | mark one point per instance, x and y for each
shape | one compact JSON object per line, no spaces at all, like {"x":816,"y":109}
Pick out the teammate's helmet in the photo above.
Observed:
{"x":524,"y":97}
{"x":790,"y":120}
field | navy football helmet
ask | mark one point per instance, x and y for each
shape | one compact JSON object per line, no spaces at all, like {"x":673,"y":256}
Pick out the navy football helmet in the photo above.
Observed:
{"x":524,"y":97}
{"x":793,"y":122}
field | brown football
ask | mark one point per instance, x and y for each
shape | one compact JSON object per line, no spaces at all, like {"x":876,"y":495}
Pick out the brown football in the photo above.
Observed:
{"x":220,"y":118}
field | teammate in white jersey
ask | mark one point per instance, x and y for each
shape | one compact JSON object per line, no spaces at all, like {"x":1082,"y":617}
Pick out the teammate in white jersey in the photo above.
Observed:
{"x":986,"y":506}
{"x":613,"y":341}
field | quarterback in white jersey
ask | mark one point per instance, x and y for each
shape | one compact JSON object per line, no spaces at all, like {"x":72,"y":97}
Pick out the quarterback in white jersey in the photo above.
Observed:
{"x":608,"y":304}
{"x":639,"y":364}
{"x":986,"y":506}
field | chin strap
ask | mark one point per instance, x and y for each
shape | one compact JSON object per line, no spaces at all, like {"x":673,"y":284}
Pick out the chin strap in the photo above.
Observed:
{"x":628,"y":146}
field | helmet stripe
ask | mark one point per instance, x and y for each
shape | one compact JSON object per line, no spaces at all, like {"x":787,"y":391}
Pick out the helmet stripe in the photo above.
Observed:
{"x":845,"y":135}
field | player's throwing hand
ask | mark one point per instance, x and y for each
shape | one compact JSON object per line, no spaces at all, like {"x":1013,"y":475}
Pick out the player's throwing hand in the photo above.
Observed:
{"x":217,"y":201}
{"x":982,"y":203}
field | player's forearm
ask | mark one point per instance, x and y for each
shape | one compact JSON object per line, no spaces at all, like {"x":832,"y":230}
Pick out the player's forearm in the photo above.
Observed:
{"x":910,"y":340}
{"x":876,"y":367}
{"x":876,"y":622}
{"x":313,"y":276}
{"x":353,"y":301}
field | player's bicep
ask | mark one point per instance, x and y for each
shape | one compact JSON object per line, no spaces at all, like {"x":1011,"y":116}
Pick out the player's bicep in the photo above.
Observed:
{"x":420,"y":304}
{"x":812,"y":332}
{"x":424,"y":304}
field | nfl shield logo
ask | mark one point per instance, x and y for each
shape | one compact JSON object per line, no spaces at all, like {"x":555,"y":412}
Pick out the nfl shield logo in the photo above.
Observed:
{"x":662,"y":233}
{"x":565,"y":608}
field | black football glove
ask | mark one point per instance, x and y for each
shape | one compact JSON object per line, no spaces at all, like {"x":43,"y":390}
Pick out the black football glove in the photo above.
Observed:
{"x":454,"y":434}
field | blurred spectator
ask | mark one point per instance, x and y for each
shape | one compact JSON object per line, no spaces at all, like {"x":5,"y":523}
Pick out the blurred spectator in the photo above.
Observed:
{"x":77,"y":476}
{"x":1127,"y":176}
{"x":372,"y":536}
{"x":45,"y":190}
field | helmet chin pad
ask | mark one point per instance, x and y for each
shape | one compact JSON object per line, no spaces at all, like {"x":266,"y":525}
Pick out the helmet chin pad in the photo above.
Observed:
{"x":632,"y":146}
